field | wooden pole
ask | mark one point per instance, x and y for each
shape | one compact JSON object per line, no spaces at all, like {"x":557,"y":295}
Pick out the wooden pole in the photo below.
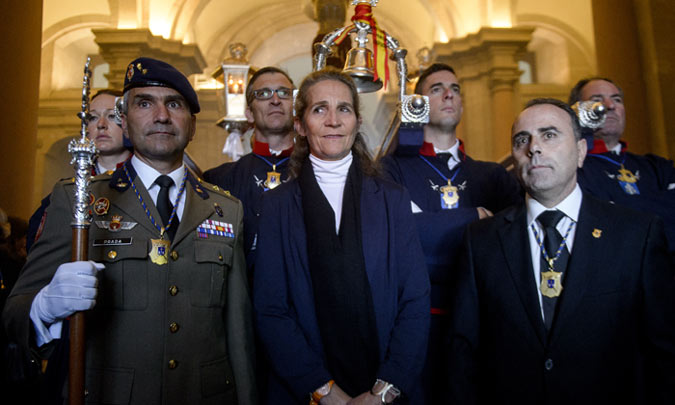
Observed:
{"x":83,"y":151}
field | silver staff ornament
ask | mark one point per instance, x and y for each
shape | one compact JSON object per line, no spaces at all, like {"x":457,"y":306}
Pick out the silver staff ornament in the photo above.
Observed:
{"x":83,"y":151}
{"x":591,"y":113}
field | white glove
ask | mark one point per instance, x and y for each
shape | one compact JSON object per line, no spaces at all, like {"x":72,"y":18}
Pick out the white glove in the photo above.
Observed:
{"x":72,"y":289}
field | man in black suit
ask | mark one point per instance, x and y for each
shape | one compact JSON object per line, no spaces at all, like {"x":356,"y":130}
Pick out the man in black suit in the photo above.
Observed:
{"x":565,"y":299}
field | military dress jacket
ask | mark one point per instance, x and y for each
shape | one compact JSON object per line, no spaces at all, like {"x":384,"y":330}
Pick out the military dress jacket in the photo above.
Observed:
{"x":177,"y":333}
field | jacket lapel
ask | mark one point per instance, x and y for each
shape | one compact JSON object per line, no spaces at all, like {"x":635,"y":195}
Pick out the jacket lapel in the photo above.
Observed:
{"x":370,"y":204}
{"x":125,"y":199}
{"x":516,"y":249}
{"x":197,"y":209}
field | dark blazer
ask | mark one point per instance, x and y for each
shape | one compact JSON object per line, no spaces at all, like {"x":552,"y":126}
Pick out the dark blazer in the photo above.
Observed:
{"x":613,"y":338}
{"x":202,"y":288}
{"x":283,"y":294}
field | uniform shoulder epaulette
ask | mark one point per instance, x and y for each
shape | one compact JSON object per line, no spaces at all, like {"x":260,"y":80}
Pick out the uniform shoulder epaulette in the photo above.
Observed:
{"x":215,"y":189}
{"x":103,"y":176}
{"x":67,"y":180}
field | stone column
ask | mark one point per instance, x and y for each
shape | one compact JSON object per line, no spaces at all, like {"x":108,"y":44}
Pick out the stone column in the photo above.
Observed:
{"x":118,"y":47}
{"x":487,"y":68}
{"x":642,"y":66}
{"x":21,"y":28}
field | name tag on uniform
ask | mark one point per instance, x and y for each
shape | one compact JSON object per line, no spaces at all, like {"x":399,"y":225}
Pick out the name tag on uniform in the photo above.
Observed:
{"x":113,"y":242}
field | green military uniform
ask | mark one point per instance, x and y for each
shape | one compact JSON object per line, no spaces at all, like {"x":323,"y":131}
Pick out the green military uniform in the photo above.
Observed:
{"x":177,"y":333}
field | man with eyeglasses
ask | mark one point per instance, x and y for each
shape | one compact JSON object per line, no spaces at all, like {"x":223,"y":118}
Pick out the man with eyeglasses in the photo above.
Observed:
{"x":269,"y":99}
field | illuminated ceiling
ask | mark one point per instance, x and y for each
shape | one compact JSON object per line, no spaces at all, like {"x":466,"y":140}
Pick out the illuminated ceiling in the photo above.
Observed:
{"x":280,"y":31}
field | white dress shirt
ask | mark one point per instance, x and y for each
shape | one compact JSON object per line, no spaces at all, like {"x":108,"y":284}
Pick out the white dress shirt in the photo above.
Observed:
{"x":570,"y":206}
{"x":148,"y":175}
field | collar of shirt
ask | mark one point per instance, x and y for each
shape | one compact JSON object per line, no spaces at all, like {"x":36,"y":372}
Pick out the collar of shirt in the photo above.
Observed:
{"x":600,"y":147}
{"x":263,"y":149}
{"x":148,"y":175}
{"x":570,"y":206}
{"x":454,"y":154}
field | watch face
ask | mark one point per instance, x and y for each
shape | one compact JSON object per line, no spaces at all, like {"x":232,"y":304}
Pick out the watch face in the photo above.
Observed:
{"x":324,"y":390}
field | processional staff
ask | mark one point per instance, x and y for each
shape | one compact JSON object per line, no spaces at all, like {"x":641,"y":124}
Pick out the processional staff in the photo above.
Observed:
{"x":83,"y":151}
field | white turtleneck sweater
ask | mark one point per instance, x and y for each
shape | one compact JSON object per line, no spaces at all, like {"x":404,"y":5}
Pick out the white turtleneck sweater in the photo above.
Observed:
{"x":332,"y":176}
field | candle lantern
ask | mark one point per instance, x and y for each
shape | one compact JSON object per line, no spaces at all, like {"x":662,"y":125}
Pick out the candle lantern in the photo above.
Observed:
{"x":233,"y":74}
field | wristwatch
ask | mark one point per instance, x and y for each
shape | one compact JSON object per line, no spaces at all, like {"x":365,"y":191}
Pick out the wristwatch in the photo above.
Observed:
{"x":320,"y":392}
{"x":384,"y":388}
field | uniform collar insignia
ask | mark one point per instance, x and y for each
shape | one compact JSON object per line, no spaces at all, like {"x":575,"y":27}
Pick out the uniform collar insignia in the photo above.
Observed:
{"x":119,"y":181}
{"x":199,"y":189}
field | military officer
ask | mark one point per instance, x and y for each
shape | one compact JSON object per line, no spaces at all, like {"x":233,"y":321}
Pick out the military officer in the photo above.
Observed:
{"x":168,"y":312}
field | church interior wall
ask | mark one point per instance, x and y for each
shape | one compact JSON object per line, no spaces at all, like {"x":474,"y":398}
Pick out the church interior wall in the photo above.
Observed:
{"x":564,"y":48}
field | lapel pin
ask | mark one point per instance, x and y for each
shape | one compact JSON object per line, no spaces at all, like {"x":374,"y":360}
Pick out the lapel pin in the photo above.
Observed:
{"x":219,"y":210}
{"x":597,"y":233}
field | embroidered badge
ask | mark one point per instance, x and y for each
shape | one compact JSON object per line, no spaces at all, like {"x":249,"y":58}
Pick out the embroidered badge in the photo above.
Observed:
{"x":101,"y":206}
{"x":118,"y":225}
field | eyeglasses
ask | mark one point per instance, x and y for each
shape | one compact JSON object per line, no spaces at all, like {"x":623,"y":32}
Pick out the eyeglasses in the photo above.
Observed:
{"x":266,"y":94}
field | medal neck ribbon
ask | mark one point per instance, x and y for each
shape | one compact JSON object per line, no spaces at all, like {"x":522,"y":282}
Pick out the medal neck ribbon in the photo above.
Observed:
{"x":272,"y":165}
{"x":558,"y":252}
{"x":145,"y":207}
{"x":444,"y":177}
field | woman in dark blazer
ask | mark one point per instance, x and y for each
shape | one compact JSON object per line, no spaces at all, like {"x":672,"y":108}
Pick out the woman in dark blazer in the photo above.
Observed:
{"x":341,"y":292}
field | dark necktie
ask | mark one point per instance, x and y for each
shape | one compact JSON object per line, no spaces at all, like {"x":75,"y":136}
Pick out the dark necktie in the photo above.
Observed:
{"x":444,"y":157}
{"x":164,"y":205}
{"x":552,"y":241}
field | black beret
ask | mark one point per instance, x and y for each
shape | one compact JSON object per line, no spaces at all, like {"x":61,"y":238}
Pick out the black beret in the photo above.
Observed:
{"x":147,"y":72}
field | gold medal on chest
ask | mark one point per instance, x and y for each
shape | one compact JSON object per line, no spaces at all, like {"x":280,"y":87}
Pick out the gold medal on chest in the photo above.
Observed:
{"x":628,"y":181}
{"x":159,"y":251}
{"x":626,"y":175}
{"x":449,"y":196}
{"x":273,"y":180}
{"x":551,"y":283}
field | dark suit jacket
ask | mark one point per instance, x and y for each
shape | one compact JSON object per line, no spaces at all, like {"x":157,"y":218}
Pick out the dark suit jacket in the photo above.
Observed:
{"x":613,"y":338}
{"x":284,"y":300}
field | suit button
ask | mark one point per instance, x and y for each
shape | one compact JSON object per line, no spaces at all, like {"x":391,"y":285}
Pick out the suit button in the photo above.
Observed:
{"x":112,"y":254}
{"x":173,"y":290}
{"x":173,"y":364}
{"x":174,"y":255}
{"x":220,"y":257}
{"x":173,"y":327}
{"x":548,"y":364}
